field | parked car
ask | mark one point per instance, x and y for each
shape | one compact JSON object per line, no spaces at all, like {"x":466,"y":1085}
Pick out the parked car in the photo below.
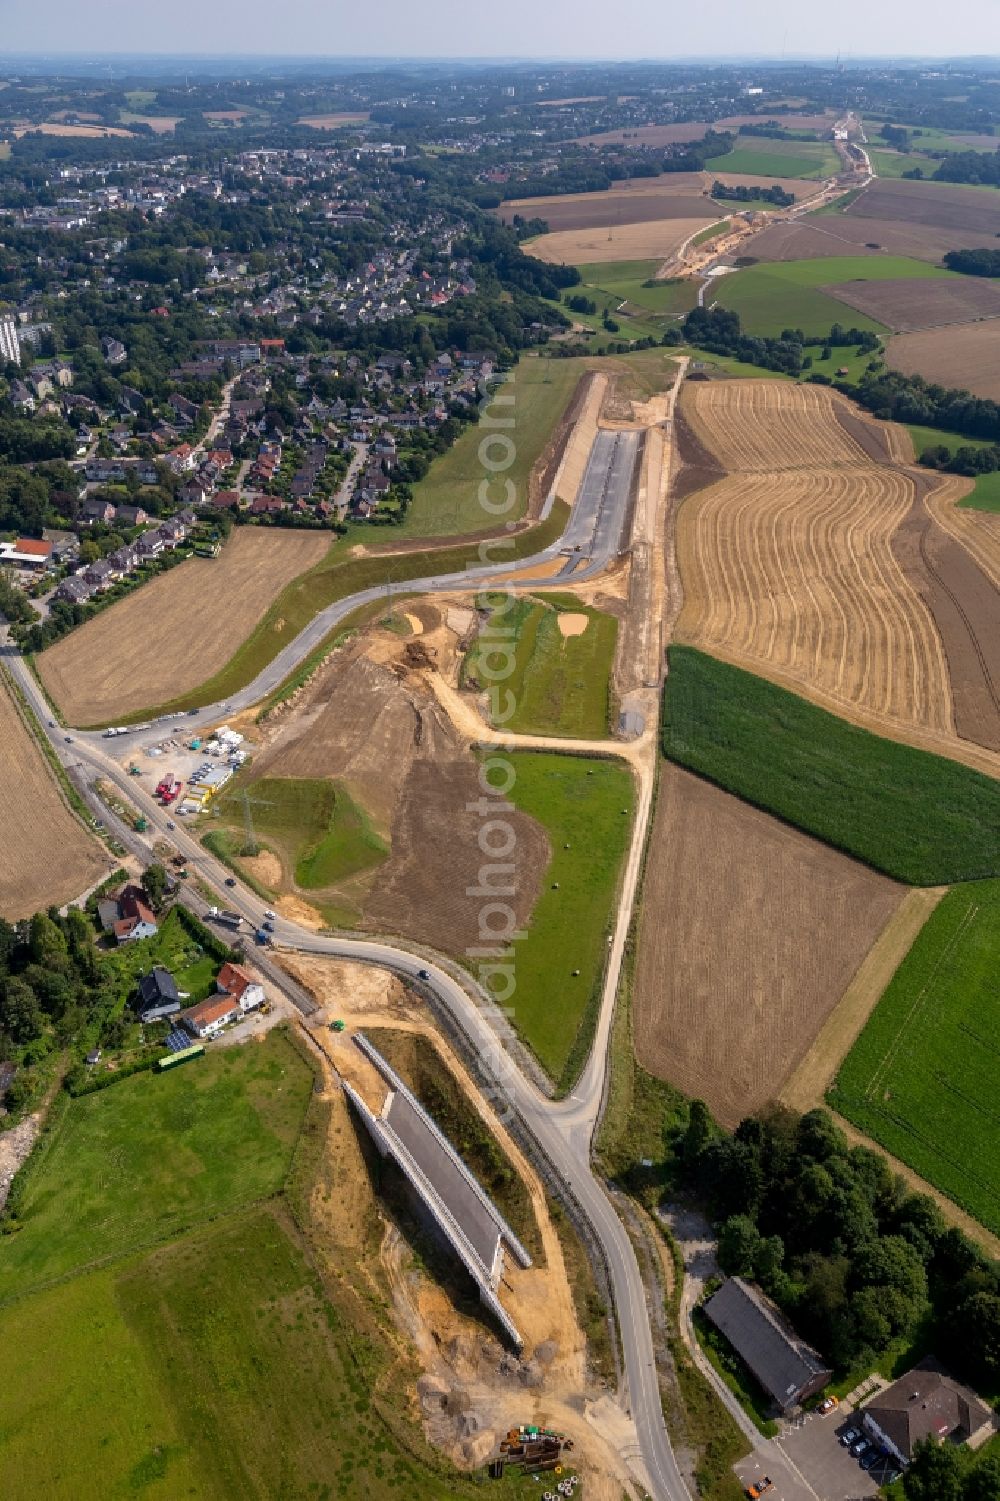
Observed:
{"x":850,"y":1436}
{"x":828,"y":1404}
{"x":869,"y":1460}
{"x":861,"y":1447}
{"x":759,"y":1487}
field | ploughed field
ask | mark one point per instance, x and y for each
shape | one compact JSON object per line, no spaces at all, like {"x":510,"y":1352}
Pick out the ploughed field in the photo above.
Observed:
{"x":965,"y":356}
{"x":818,"y":560}
{"x":46,"y":855}
{"x":740,"y":963}
{"x":173,"y":634}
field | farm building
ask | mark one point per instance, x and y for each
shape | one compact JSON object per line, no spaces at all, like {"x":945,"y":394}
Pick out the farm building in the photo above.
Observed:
{"x":784,"y":1365}
{"x":208,"y":1018}
{"x":926,"y":1403}
{"x":157,"y":996}
{"x":26,"y":553}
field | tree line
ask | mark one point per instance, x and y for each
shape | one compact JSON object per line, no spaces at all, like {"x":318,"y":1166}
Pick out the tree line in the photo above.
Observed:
{"x":839,"y":1242}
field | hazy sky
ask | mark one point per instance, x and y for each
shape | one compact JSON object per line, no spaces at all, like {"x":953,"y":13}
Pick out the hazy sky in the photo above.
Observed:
{"x":515,"y":28}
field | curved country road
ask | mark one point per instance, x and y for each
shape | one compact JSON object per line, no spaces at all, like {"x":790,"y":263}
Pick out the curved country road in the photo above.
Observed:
{"x":561,"y":1131}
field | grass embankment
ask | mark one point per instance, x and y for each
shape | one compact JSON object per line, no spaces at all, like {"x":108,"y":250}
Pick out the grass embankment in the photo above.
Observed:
{"x":561,"y":685}
{"x":918,"y":817}
{"x":779,"y":295}
{"x":153,"y":1155}
{"x":337,"y":577}
{"x":922,"y":1077}
{"x":321,"y":834}
{"x":648,"y":302}
{"x":585,"y":806}
{"x":735,"y":1373}
{"x":446,"y":501}
{"x":711,"y":231}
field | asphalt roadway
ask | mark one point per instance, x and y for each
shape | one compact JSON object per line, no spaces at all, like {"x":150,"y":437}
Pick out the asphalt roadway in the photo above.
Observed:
{"x":561,"y":1132}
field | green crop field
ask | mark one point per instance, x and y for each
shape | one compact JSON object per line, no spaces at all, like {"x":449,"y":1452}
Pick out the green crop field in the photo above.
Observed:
{"x":446,"y":501}
{"x":922,"y":1078}
{"x":154,"y":1154}
{"x":336,"y":577}
{"x":315,"y":824}
{"x":585,"y":804}
{"x":788,"y":294}
{"x":561,"y":685}
{"x":918,"y":817}
{"x":765,"y":156}
{"x":985,"y":495}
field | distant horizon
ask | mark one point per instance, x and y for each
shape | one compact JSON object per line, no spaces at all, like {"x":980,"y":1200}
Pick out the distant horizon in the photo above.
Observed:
{"x":706,"y":59}
{"x":450,"y":31}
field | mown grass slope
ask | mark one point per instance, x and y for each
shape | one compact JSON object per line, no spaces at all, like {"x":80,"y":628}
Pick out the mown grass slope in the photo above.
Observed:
{"x":922,"y":1078}
{"x":788,"y":294}
{"x":586,"y":807}
{"x":561,"y":685}
{"x":918,"y":817}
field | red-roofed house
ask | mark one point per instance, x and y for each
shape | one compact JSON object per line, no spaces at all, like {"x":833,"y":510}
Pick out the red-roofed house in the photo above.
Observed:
{"x":208,"y":1018}
{"x":26,"y":553}
{"x":128,"y":916}
{"x":233,"y":980}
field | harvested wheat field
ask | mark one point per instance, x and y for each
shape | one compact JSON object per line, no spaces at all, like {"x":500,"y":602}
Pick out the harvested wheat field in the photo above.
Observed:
{"x":741,"y":961}
{"x":174,"y":633}
{"x":655,"y":239}
{"x":680,"y":195}
{"x":967,"y":356}
{"x":46,"y":855}
{"x":820,"y":562}
{"x":695,"y":130}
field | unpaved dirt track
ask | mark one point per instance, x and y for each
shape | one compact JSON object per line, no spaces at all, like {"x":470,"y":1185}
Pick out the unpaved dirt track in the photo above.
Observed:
{"x":750,"y":932}
{"x":177,"y":631}
{"x":819,"y":561}
{"x":46,"y":855}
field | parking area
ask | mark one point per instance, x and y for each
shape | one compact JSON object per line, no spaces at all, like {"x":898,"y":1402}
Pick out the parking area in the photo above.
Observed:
{"x":808,"y":1463}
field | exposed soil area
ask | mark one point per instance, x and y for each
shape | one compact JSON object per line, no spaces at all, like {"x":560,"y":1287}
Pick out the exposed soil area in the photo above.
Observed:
{"x":923,"y":303}
{"x":749,"y":935}
{"x":371,"y":719}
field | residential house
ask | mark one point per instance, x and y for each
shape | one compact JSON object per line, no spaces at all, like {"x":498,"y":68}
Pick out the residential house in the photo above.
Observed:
{"x":73,"y":590}
{"x":157,"y":996}
{"x":99,"y":575}
{"x":784,"y":1365}
{"x":225,"y":500}
{"x":235,"y":981}
{"x":194,"y":492}
{"x":113,"y":350}
{"x":208,"y":1018}
{"x":132,"y":515}
{"x":128,"y":916}
{"x":926,"y":1404}
{"x":267,"y":505}
{"x":97,"y":510}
